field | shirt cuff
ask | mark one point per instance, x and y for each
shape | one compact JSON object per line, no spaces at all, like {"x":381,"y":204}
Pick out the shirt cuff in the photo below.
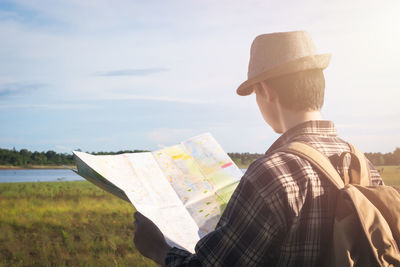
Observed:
{"x":178,"y":257}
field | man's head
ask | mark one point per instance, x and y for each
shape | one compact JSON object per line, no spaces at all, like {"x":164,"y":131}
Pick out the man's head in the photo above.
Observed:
{"x":291,"y":95}
{"x":299,"y":91}
{"x":286,"y":74}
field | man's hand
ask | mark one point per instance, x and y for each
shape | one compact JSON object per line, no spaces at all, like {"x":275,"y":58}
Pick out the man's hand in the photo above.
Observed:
{"x":149,"y":240}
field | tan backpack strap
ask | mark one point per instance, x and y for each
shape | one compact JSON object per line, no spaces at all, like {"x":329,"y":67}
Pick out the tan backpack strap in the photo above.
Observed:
{"x":357,"y":167}
{"x":363,"y":170}
{"x":317,"y":159}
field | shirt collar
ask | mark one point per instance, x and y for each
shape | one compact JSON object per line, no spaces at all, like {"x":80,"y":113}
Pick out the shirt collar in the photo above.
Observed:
{"x":321,"y":128}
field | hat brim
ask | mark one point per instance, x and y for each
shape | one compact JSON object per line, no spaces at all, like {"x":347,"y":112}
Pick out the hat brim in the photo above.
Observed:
{"x":300,"y":64}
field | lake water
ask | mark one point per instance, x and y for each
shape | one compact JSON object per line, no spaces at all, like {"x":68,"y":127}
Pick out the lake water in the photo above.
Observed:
{"x":38,"y":175}
{"x":41,"y":175}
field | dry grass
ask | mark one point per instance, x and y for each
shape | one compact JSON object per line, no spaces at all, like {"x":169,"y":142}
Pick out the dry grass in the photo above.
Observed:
{"x":65,"y":224}
{"x":390,"y":174}
{"x":27,"y":167}
{"x":75,"y":224}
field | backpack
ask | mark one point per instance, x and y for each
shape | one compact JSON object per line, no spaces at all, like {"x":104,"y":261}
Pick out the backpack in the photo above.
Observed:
{"x":366,"y":227}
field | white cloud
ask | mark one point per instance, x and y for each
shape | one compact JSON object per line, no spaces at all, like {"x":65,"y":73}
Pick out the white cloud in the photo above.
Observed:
{"x":155,"y":98}
{"x":131,"y":72}
{"x":166,"y":137}
{"x":382,"y":126}
{"x":205,"y":47}
{"x":375,"y":142}
{"x":54,"y":106}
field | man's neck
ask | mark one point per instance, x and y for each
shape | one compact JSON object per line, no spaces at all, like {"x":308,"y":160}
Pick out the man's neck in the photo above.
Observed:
{"x":290,"y":119}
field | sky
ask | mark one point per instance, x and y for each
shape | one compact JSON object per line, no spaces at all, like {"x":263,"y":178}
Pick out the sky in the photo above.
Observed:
{"x":118,"y":75}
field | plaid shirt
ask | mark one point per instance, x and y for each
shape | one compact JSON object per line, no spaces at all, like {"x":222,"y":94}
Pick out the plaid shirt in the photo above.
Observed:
{"x":281,"y":213}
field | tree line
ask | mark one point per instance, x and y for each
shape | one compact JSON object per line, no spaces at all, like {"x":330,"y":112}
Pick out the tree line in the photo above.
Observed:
{"x":391,"y":158}
{"x":25,"y":157}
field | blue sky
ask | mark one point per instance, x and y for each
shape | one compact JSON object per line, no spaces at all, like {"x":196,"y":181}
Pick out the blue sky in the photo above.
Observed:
{"x":111,"y":75}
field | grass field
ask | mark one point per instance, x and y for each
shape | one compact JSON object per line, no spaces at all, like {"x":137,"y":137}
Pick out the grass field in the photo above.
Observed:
{"x":65,"y":224}
{"x":390,"y":174}
{"x":75,"y":224}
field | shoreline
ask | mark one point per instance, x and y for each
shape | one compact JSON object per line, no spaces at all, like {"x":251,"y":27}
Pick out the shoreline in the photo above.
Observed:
{"x":37,"y":167}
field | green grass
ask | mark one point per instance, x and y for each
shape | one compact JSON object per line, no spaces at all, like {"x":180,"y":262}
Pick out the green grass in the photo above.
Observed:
{"x":75,"y":224}
{"x":65,"y":224}
{"x":390,"y":174}
{"x":241,"y":165}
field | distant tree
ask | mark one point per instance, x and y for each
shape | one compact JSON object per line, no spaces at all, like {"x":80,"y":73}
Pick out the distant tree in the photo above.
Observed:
{"x":396,"y":156}
{"x":26,"y":157}
{"x":381,"y":160}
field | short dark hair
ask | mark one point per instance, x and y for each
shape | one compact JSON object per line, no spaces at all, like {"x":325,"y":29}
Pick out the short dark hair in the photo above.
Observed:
{"x":300,"y":91}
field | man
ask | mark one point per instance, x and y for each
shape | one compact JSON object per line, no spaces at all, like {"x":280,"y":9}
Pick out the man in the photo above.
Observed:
{"x":281,"y":213}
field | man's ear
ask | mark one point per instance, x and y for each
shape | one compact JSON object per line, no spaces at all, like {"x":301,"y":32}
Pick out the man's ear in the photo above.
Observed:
{"x":267,"y":92}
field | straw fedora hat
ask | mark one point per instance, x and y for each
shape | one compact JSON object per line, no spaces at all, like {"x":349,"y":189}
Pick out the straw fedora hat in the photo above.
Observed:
{"x":281,"y":53}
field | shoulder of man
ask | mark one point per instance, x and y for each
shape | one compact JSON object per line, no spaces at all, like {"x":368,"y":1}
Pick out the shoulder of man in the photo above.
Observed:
{"x":280,"y":173}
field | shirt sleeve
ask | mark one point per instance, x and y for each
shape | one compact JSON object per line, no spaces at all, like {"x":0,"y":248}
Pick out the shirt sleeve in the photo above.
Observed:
{"x":375,"y":177}
{"x":246,"y":235}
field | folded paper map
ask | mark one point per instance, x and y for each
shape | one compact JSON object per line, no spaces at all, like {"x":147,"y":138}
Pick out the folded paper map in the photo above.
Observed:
{"x":183,"y":189}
